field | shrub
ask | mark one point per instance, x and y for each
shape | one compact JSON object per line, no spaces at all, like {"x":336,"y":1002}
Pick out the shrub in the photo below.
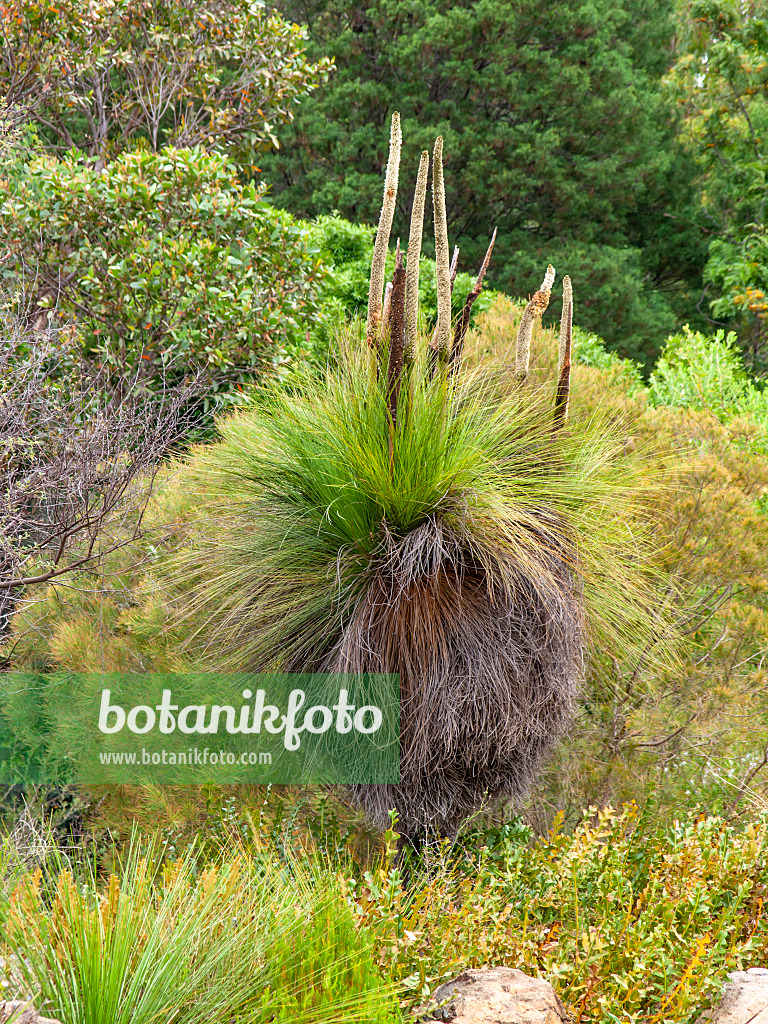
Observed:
{"x":162,"y":256}
{"x":404,"y":514}
{"x":696,"y":371}
{"x":628,"y":925}
{"x":79,"y":454}
{"x":591,"y":351}
{"x":182,"y":73}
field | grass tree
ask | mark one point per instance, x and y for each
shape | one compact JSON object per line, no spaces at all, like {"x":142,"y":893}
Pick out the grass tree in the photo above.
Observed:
{"x":408,"y":512}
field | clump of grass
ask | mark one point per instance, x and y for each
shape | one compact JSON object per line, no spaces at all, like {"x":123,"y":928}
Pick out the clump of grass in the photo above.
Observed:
{"x":469,"y":547}
{"x":190,"y":941}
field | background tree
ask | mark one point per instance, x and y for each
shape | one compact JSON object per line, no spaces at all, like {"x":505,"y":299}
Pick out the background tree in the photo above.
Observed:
{"x":95,"y":76}
{"x":556,"y":130}
{"x":721,"y":82}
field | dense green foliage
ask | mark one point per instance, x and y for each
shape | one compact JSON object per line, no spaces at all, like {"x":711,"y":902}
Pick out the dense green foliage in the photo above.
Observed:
{"x":699,"y":372}
{"x":556,"y":130}
{"x":721,"y":82}
{"x":628,"y":925}
{"x":160,"y":258}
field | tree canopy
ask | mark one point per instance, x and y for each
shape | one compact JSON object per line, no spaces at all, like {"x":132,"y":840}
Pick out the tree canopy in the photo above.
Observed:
{"x":721,"y":81}
{"x":94,"y":76}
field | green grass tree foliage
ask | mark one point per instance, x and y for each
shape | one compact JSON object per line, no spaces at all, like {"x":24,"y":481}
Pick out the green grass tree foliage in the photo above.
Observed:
{"x":408,"y":513}
{"x":721,"y":82}
{"x":181,"y":72}
{"x":161,"y":257}
{"x":557,"y":131}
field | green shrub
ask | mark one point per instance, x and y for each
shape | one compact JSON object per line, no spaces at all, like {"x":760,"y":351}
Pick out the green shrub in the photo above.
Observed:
{"x":209,"y":72}
{"x":628,"y":925}
{"x":163,"y":257}
{"x":305,"y":489}
{"x":696,"y":371}
{"x":591,"y":351}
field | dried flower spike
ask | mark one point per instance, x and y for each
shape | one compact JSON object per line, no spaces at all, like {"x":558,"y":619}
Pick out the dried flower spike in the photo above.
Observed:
{"x":439,"y":343}
{"x":376,"y":287}
{"x":538,"y":303}
{"x":412,"y":266}
{"x":564,"y":359}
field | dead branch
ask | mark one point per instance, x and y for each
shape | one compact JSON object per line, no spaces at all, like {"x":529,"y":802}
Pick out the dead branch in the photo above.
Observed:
{"x":463,"y":325}
{"x":80,"y":449}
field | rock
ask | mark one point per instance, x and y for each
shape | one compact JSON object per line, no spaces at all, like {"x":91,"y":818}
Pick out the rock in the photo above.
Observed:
{"x":745,"y":999}
{"x":497,"y":995}
{"x":24,"y":1014}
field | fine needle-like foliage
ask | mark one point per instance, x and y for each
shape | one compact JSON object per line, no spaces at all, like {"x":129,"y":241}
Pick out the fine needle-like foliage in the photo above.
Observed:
{"x":442,"y":530}
{"x":478,"y":559}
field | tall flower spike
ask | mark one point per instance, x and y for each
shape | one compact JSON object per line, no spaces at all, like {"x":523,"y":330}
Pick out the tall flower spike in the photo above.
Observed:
{"x":387,"y":305}
{"x":412,"y":266}
{"x":396,"y":340}
{"x":439,"y":343}
{"x":454,"y":266}
{"x":564,"y":360}
{"x":376,"y":287}
{"x":536,"y":306}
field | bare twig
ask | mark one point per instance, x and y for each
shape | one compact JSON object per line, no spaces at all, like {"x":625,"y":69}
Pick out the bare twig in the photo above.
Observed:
{"x":454,"y":266}
{"x":79,"y":453}
{"x":463,"y":325}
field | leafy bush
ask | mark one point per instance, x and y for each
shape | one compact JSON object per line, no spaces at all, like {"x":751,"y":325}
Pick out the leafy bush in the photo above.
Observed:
{"x":740,"y":273}
{"x":162,"y":256}
{"x":695,"y":371}
{"x":628,"y":925}
{"x":590,"y":350}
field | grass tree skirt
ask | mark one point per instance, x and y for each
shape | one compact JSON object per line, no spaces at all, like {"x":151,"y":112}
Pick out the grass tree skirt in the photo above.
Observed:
{"x":407,"y":513}
{"x":488,"y":677}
